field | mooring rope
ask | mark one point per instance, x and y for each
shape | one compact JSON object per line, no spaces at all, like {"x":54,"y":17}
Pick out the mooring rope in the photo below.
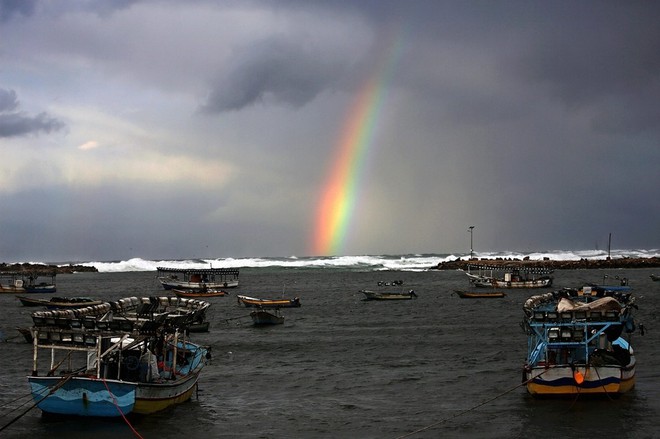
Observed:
{"x":27,"y":395}
{"x":28,"y":399}
{"x":53,"y":390}
{"x":428,"y":427}
{"x":116,"y":403}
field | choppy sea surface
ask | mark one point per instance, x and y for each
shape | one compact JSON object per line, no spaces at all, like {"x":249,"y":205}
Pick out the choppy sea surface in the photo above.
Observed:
{"x":409,"y":262}
{"x":342,"y":367}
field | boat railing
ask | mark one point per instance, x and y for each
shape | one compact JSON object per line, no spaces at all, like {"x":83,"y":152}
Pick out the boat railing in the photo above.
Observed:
{"x":574,"y":334}
{"x":574,"y":316}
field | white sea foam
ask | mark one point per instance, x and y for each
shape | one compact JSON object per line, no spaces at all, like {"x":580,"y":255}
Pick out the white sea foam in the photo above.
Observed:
{"x":365,"y":262}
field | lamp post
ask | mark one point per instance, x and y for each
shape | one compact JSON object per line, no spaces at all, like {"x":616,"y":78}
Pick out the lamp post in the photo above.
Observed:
{"x":471,"y":249}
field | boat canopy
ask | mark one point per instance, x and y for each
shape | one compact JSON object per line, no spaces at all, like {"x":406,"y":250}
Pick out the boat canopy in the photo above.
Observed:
{"x":200,"y":271}
{"x":512,"y":268}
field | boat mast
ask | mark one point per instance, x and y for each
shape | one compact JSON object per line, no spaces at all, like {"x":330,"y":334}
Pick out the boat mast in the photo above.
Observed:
{"x":174,"y":352}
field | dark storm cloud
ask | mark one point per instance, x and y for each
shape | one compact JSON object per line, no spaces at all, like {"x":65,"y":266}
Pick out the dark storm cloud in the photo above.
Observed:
{"x":8,"y":100}
{"x":10,"y":8}
{"x":603,"y":56}
{"x":535,"y":121}
{"x":14,"y":123}
{"x":273,"y":71}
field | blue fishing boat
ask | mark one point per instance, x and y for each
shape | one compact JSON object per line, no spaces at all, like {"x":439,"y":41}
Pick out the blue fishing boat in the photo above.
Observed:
{"x":117,"y":358}
{"x":577,"y":342}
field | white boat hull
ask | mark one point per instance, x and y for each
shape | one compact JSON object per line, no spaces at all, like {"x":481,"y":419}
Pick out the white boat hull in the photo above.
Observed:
{"x":561,"y":380}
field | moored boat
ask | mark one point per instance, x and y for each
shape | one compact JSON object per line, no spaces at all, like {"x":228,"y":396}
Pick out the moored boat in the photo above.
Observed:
{"x":23,"y":282}
{"x":199,"y":326}
{"x":506,"y":276}
{"x":480,"y":294}
{"x":201,"y":293}
{"x":268,"y":303}
{"x":576,"y":343}
{"x":59,"y":302}
{"x":12,"y":283}
{"x":261,"y":317}
{"x":381,"y":295}
{"x":33,"y":286}
{"x":654,"y":277}
{"x":197,"y":278}
{"x":109,"y":360}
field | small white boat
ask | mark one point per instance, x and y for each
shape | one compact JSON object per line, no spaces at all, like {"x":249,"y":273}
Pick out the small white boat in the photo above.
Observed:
{"x":197,"y":279}
{"x":506,"y":276}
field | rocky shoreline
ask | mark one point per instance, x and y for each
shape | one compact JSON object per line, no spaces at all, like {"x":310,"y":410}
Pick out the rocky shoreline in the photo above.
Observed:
{"x":457,"y":264}
{"x":46,"y":270}
{"x":582,"y":264}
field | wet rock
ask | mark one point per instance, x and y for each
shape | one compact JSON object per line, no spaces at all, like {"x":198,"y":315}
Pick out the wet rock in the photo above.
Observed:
{"x":582,"y":264}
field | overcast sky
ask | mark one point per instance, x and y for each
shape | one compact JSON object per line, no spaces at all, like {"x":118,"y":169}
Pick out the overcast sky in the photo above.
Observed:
{"x":189,"y":129}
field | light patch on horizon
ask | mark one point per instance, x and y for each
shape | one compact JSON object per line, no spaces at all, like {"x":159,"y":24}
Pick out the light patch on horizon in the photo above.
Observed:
{"x":151,"y":168}
{"x":92,"y":144}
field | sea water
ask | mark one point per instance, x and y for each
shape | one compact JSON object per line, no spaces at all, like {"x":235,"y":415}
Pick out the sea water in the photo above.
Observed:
{"x":342,"y":367}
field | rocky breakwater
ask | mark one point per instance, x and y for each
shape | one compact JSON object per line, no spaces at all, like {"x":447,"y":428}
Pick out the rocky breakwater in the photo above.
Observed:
{"x":43,"y":269}
{"x":582,"y":264}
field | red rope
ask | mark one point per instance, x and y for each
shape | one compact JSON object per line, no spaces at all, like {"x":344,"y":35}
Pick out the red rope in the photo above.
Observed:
{"x":114,"y":401}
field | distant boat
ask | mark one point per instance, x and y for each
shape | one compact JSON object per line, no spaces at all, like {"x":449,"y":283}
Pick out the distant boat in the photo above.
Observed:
{"x":200,"y":294}
{"x":12,"y":283}
{"x":389,"y":284}
{"x":199,"y":326}
{"x":262,"y":317}
{"x":32,"y":286}
{"x":59,"y":302}
{"x":268,"y":303}
{"x":506,"y":276}
{"x":377,"y":295}
{"x":22,"y":283}
{"x":480,"y":295}
{"x":576,"y":343}
{"x":654,"y":277}
{"x":197,"y":279}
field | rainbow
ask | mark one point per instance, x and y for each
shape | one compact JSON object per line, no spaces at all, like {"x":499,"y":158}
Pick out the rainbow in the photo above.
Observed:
{"x":340,"y":193}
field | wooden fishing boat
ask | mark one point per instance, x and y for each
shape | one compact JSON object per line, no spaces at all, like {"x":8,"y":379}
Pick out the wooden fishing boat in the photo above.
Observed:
{"x":26,"y":333}
{"x":506,"y":276}
{"x":59,"y":302}
{"x":21,"y":283}
{"x":268,"y":303}
{"x":577,"y":344}
{"x":480,"y":294}
{"x":33,"y":286}
{"x":199,"y":327}
{"x":378,"y":295}
{"x":201,"y":293}
{"x":262,"y":317}
{"x":197,"y":279}
{"x":12,"y":283}
{"x":117,"y":358}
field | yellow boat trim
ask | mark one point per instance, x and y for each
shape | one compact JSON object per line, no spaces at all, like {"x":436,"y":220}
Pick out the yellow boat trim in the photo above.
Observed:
{"x":148,"y":406}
